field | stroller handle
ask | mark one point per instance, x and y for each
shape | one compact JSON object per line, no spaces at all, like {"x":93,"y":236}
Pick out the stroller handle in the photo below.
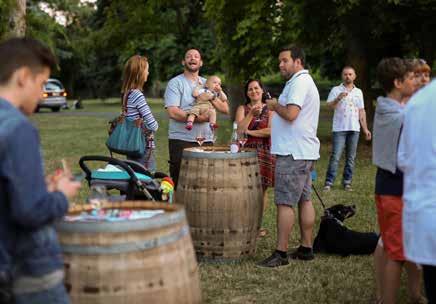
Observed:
{"x":110,"y":160}
{"x":139,"y":168}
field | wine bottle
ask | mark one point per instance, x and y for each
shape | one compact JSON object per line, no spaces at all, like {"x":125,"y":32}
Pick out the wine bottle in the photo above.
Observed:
{"x":234,"y":144}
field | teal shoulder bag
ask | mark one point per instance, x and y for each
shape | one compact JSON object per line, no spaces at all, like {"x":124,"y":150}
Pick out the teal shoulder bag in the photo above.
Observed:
{"x":127,"y":136}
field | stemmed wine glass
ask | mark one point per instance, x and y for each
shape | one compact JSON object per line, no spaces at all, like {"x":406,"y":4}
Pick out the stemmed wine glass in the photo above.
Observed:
{"x":200,"y":138}
{"x":214,"y":137}
{"x":242,"y":139}
{"x":266,"y":95}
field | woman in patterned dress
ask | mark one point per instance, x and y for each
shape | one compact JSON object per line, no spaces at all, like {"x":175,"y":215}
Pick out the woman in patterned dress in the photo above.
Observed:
{"x":254,"y":119}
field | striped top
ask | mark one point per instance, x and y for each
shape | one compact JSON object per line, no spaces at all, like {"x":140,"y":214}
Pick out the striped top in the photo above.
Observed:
{"x":137,"y":107}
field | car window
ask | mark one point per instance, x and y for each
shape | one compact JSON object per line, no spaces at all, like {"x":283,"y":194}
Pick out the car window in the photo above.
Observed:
{"x":53,"y":86}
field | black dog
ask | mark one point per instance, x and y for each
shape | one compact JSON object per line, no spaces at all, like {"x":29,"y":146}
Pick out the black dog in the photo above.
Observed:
{"x":334,"y":237}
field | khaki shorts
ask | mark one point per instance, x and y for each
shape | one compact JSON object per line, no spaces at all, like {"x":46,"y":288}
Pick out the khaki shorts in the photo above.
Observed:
{"x":293,"y":180}
{"x":200,"y":107}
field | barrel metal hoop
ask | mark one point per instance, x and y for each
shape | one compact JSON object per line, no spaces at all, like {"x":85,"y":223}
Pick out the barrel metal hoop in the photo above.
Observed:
{"x":158,"y":221}
{"x":126,"y":247}
{"x":218,"y":155}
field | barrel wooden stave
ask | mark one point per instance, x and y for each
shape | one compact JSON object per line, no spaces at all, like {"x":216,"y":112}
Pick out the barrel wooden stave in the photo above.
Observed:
{"x":165,"y":272}
{"x":223,"y":201}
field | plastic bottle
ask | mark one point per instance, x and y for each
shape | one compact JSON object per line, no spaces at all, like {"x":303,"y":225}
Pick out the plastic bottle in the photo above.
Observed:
{"x":234,"y":144}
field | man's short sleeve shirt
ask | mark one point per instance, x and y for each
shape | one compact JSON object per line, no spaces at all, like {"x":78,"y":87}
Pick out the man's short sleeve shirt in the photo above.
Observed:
{"x":298,"y":138}
{"x":346,"y":116}
{"x":178,"y":93}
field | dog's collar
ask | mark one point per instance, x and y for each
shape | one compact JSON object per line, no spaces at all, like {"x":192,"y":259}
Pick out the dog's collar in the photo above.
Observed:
{"x":328,"y":215}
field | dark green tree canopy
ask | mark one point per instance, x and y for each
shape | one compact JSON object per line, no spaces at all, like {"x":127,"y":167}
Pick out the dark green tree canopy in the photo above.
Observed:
{"x":238,"y":39}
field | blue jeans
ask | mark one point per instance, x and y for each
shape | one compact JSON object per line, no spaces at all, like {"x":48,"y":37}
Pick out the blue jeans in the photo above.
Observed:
{"x":341,"y":140}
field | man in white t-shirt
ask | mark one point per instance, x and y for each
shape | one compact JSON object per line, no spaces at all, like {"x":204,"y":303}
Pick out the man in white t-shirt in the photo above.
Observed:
{"x":347,"y":101}
{"x":178,"y":101}
{"x":417,"y":159}
{"x":294,"y":142}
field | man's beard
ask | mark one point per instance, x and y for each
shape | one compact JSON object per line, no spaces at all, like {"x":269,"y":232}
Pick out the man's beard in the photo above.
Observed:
{"x":286,"y":76}
{"x":191,"y":70}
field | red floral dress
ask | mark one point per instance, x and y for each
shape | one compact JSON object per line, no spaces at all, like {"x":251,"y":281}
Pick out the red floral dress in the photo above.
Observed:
{"x":263,"y":147}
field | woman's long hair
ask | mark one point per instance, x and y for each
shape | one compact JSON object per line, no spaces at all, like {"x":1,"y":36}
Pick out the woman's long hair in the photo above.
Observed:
{"x":134,"y":73}
{"x":246,"y":89}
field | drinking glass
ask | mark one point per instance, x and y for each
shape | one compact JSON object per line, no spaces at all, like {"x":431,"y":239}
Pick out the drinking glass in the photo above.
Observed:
{"x":98,"y":194}
{"x":242,"y":139}
{"x":200,"y":138}
{"x":214,"y":137}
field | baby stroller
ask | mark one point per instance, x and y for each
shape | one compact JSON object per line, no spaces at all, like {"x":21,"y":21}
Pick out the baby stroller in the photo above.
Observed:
{"x":131,"y":178}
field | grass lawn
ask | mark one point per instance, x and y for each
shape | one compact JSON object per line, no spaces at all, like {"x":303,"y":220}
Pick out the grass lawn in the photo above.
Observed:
{"x":327,"y":279}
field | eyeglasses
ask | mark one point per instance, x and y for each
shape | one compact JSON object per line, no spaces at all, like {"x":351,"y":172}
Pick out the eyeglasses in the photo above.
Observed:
{"x":422,"y":61}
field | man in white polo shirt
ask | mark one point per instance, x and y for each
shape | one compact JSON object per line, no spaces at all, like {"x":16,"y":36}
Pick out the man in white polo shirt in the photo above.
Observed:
{"x":347,"y":101}
{"x":294,"y":142}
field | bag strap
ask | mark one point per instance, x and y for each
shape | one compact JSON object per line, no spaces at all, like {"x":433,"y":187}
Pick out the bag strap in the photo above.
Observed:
{"x":124,"y":97}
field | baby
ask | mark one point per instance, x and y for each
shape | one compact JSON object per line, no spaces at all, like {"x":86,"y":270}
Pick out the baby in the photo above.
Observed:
{"x":204,"y":95}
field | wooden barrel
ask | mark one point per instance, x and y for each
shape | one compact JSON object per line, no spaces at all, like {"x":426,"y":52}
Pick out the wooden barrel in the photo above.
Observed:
{"x":222,"y":194}
{"x":134,"y":261}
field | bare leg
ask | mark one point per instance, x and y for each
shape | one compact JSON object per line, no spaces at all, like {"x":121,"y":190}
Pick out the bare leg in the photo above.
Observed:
{"x":391,"y":282}
{"x":191,"y":118}
{"x":413,"y":281}
{"x":264,"y":231}
{"x":379,"y":266}
{"x":212,"y":116}
{"x":285,"y":221}
{"x":306,"y":214}
{"x":265,"y":200}
{"x":189,"y":122}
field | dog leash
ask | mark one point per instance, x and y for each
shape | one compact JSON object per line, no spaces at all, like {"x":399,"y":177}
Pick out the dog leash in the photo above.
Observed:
{"x":319,"y":197}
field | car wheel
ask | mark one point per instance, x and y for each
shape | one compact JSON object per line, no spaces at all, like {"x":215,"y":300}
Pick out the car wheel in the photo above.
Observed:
{"x":55,"y":109}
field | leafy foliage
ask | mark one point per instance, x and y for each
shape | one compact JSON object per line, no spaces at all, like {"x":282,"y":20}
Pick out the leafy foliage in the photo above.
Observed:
{"x":162,"y":30}
{"x":5,"y":10}
{"x":238,"y":39}
{"x":246,"y":35}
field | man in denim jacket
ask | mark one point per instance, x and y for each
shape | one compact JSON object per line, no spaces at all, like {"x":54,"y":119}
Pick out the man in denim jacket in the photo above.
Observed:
{"x":31,"y":266}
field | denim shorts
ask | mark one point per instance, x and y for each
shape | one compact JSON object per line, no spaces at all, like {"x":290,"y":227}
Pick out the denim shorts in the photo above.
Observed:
{"x":292,"y":180}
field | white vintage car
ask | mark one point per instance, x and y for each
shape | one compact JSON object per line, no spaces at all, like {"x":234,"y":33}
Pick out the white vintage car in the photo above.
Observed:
{"x":54,"y":96}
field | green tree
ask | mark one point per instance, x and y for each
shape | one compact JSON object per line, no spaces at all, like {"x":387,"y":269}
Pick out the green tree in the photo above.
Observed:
{"x":247,"y":33}
{"x":360,"y":33}
{"x":160,"y":29}
{"x":5,"y":9}
{"x":67,"y":40}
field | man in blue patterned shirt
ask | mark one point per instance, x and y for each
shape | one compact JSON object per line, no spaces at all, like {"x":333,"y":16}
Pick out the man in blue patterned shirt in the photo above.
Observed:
{"x":31,"y":266}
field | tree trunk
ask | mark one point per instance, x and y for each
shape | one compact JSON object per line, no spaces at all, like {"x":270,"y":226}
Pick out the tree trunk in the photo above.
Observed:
{"x":17,"y":20}
{"x":236,"y":97}
{"x":357,"y":57}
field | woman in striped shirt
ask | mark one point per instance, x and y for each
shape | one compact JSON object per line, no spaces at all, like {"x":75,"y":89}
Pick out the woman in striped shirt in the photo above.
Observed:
{"x":136,"y":107}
